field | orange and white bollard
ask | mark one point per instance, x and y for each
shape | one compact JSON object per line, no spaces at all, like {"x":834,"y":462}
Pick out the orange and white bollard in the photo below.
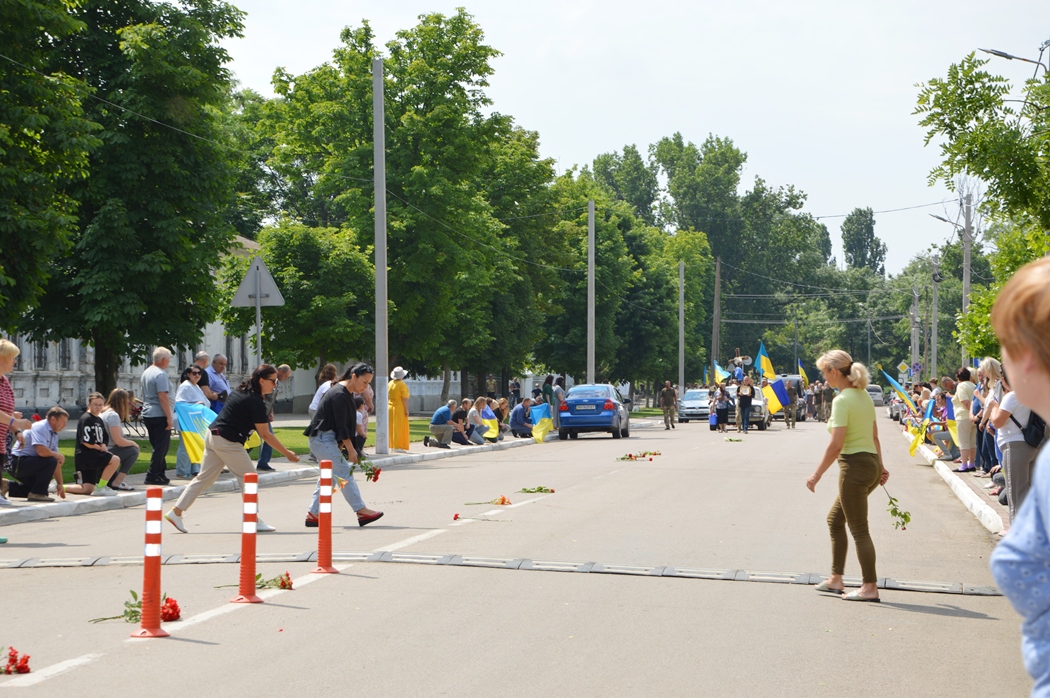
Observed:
{"x":246,"y":590}
{"x":151,"y":565}
{"x":324,"y":522}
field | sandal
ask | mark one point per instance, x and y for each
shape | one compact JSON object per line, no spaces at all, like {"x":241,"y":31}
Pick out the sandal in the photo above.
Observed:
{"x":823,"y":586}
{"x":855,"y":596}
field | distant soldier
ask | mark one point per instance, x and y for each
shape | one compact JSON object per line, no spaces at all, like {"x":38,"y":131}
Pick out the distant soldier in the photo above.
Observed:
{"x":818,"y":400}
{"x":828,"y":394}
{"x":792,"y":406}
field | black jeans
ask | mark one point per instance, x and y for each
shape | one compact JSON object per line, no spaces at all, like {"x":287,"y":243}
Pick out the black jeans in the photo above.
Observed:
{"x":160,"y":440}
{"x":34,"y":474}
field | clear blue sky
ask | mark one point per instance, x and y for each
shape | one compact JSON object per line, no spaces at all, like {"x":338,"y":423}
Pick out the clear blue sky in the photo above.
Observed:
{"x":819,"y":93}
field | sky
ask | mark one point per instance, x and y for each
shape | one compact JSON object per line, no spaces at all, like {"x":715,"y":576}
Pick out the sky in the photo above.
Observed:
{"x":818,"y":93}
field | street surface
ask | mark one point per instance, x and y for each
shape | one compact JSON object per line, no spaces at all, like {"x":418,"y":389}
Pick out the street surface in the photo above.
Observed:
{"x":405,"y":629}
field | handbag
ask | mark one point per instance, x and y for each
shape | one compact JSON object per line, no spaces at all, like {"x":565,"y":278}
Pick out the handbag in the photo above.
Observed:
{"x":1034,"y":431}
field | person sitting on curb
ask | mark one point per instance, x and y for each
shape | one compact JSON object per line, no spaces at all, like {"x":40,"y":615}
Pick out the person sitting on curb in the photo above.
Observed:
{"x":37,"y":460}
{"x":441,"y":426}
{"x":519,"y":422}
{"x":93,"y":460}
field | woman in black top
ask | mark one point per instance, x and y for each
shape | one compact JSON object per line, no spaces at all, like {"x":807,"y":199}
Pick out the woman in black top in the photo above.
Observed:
{"x":243,"y":412}
{"x":331,"y":430}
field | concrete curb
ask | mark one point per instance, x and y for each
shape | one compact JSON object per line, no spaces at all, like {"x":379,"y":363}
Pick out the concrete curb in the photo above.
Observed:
{"x":89,"y":505}
{"x":984,"y":513}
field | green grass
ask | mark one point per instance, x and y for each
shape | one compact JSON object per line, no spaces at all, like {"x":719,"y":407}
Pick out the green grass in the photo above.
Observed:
{"x":648,"y":412}
{"x":292,"y":437}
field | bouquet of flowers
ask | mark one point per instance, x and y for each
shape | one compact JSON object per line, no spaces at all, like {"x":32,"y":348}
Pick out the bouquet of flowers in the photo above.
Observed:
{"x":16,"y":664}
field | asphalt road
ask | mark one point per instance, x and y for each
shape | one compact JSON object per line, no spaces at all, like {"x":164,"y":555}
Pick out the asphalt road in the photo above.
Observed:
{"x":403,"y":629}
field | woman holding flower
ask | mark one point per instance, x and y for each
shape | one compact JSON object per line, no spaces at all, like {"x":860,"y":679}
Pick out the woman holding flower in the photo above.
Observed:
{"x":855,"y":445}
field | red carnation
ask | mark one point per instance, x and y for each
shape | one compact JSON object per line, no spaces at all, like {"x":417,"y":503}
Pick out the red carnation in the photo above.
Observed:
{"x":36,"y":417}
{"x":455,"y":517}
{"x":23,"y":665}
{"x":375,"y":475}
{"x":170,"y":610}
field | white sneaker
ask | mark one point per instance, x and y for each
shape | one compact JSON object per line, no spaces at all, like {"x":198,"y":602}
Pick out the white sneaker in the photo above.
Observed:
{"x":104,"y":491}
{"x":52,"y":488}
{"x":4,"y":502}
{"x":176,"y":520}
{"x":263,"y":527}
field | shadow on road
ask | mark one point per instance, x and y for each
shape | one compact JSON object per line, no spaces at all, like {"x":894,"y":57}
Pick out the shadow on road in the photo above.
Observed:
{"x":938,"y":610}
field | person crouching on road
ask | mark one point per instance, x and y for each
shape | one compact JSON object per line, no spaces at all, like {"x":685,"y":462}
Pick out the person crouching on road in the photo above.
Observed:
{"x":93,"y":460}
{"x":520,"y":425}
{"x":1021,"y":319}
{"x":333,"y":429}
{"x":243,"y":412}
{"x":855,"y":444}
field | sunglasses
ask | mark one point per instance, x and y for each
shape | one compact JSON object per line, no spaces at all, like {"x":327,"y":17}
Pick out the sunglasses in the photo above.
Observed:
{"x":195,"y":373}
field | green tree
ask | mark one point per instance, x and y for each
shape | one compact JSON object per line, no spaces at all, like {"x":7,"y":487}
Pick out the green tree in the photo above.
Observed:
{"x":630,"y":179}
{"x":327,"y":284}
{"x":861,"y":247}
{"x":981,"y":134}
{"x":149,"y":229}
{"x":44,"y":144}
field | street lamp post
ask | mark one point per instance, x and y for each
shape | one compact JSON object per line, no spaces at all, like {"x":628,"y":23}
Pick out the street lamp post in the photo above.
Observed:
{"x":966,"y":234}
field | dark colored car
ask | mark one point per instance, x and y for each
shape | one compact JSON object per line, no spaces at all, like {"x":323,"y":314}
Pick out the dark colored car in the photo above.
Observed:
{"x":594,"y":407}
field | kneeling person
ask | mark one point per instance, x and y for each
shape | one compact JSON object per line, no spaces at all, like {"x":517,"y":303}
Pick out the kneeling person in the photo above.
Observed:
{"x":37,"y":459}
{"x":92,"y":457}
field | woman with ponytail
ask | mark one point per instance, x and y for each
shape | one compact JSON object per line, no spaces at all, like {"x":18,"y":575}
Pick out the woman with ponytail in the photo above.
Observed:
{"x":855,"y":445}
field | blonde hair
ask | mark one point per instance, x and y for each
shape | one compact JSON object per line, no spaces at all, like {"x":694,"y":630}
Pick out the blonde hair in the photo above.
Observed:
{"x":9,"y":350}
{"x":992,"y":370}
{"x":840,"y":361}
{"x":118,"y":402}
{"x":1021,"y":314}
{"x":480,"y":403}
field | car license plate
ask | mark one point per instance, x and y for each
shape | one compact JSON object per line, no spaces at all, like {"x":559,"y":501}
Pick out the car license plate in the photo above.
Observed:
{"x":584,"y":407}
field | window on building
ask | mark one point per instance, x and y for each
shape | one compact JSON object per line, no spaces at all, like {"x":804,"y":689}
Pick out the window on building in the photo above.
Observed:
{"x":39,"y":356}
{"x":65,"y":355}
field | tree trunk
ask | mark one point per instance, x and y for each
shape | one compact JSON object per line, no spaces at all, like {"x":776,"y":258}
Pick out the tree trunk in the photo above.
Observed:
{"x":464,"y":383}
{"x":446,"y":379}
{"x":320,"y":367}
{"x":504,"y":383}
{"x":107,"y":361}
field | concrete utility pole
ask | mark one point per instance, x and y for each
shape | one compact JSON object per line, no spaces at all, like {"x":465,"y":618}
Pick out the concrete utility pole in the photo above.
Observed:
{"x":590,"y":291}
{"x":379,"y":168}
{"x":933,"y":320}
{"x":914,"y":325}
{"x":967,"y":243}
{"x":796,"y":344}
{"x":716,"y":325}
{"x":681,"y":327}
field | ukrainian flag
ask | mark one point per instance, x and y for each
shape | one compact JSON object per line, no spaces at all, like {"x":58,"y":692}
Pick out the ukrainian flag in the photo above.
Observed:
{"x":720,"y":373}
{"x":802,"y":372}
{"x":194,"y":421}
{"x":488,"y":418}
{"x":919,"y":432}
{"x":763,"y":362}
{"x":541,"y":421}
{"x":949,"y":419}
{"x":776,"y":395}
{"x":901,"y":392}
{"x":706,"y":382}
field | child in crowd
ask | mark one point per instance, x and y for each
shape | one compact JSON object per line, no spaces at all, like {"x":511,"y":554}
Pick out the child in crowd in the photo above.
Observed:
{"x":94,"y":462}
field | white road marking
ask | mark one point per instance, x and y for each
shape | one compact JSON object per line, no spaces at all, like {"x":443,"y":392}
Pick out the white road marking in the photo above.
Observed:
{"x":527,"y":501}
{"x":411,"y":541}
{"x":42,"y":675}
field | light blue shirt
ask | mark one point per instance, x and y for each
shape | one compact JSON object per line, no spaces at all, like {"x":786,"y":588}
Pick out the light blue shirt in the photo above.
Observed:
{"x":40,"y":433}
{"x":443,"y":415}
{"x":1021,"y":567}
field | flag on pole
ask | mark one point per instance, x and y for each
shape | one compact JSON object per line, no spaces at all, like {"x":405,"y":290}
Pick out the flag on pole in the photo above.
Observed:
{"x":802,"y":372}
{"x":919,"y":432}
{"x":901,"y":392}
{"x":194,"y":421}
{"x":720,"y":373}
{"x":706,"y":382}
{"x":541,"y":421}
{"x":763,"y":362}
{"x":949,"y":419}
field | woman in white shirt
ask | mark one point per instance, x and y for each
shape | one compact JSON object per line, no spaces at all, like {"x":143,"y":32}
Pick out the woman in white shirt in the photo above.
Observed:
{"x":474,"y":418}
{"x":113,"y":416}
{"x":324,"y":382}
{"x":189,"y":392}
{"x":1018,"y":457}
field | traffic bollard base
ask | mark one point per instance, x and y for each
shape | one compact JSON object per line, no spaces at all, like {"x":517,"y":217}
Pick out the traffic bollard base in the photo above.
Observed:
{"x":148,"y":632}
{"x":242,"y":598}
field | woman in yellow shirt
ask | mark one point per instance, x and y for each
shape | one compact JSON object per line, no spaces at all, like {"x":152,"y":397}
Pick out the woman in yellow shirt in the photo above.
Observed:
{"x":855,"y":445}
{"x":398,"y":397}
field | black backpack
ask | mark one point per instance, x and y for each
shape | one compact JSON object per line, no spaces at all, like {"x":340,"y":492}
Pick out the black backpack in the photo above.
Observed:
{"x":1034,"y":431}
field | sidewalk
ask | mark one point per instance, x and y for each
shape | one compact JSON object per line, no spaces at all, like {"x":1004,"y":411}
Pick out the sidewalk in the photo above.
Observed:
{"x":284,"y":471}
{"x":970,"y":491}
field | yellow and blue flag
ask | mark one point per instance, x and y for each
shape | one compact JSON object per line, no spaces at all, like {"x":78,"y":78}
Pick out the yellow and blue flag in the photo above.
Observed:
{"x":194,"y":421}
{"x":919,"y":432}
{"x":776,"y":395}
{"x":541,"y":421}
{"x":901,"y":392}
{"x":705,"y":376}
{"x":763,"y":362}
{"x":949,"y":419}
{"x":720,"y":373}
{"x":488,"y":418}
{"x":802,"y":372}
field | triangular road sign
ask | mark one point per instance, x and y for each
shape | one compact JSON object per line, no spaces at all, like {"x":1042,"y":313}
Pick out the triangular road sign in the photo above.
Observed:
{"x":258,"y":279}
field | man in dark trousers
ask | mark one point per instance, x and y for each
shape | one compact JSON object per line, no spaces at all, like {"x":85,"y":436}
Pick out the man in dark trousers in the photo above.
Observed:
{"x":668,"y":403}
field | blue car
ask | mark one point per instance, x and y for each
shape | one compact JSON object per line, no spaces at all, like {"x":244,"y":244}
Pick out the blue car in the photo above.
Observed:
{"x":593,"y":408}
